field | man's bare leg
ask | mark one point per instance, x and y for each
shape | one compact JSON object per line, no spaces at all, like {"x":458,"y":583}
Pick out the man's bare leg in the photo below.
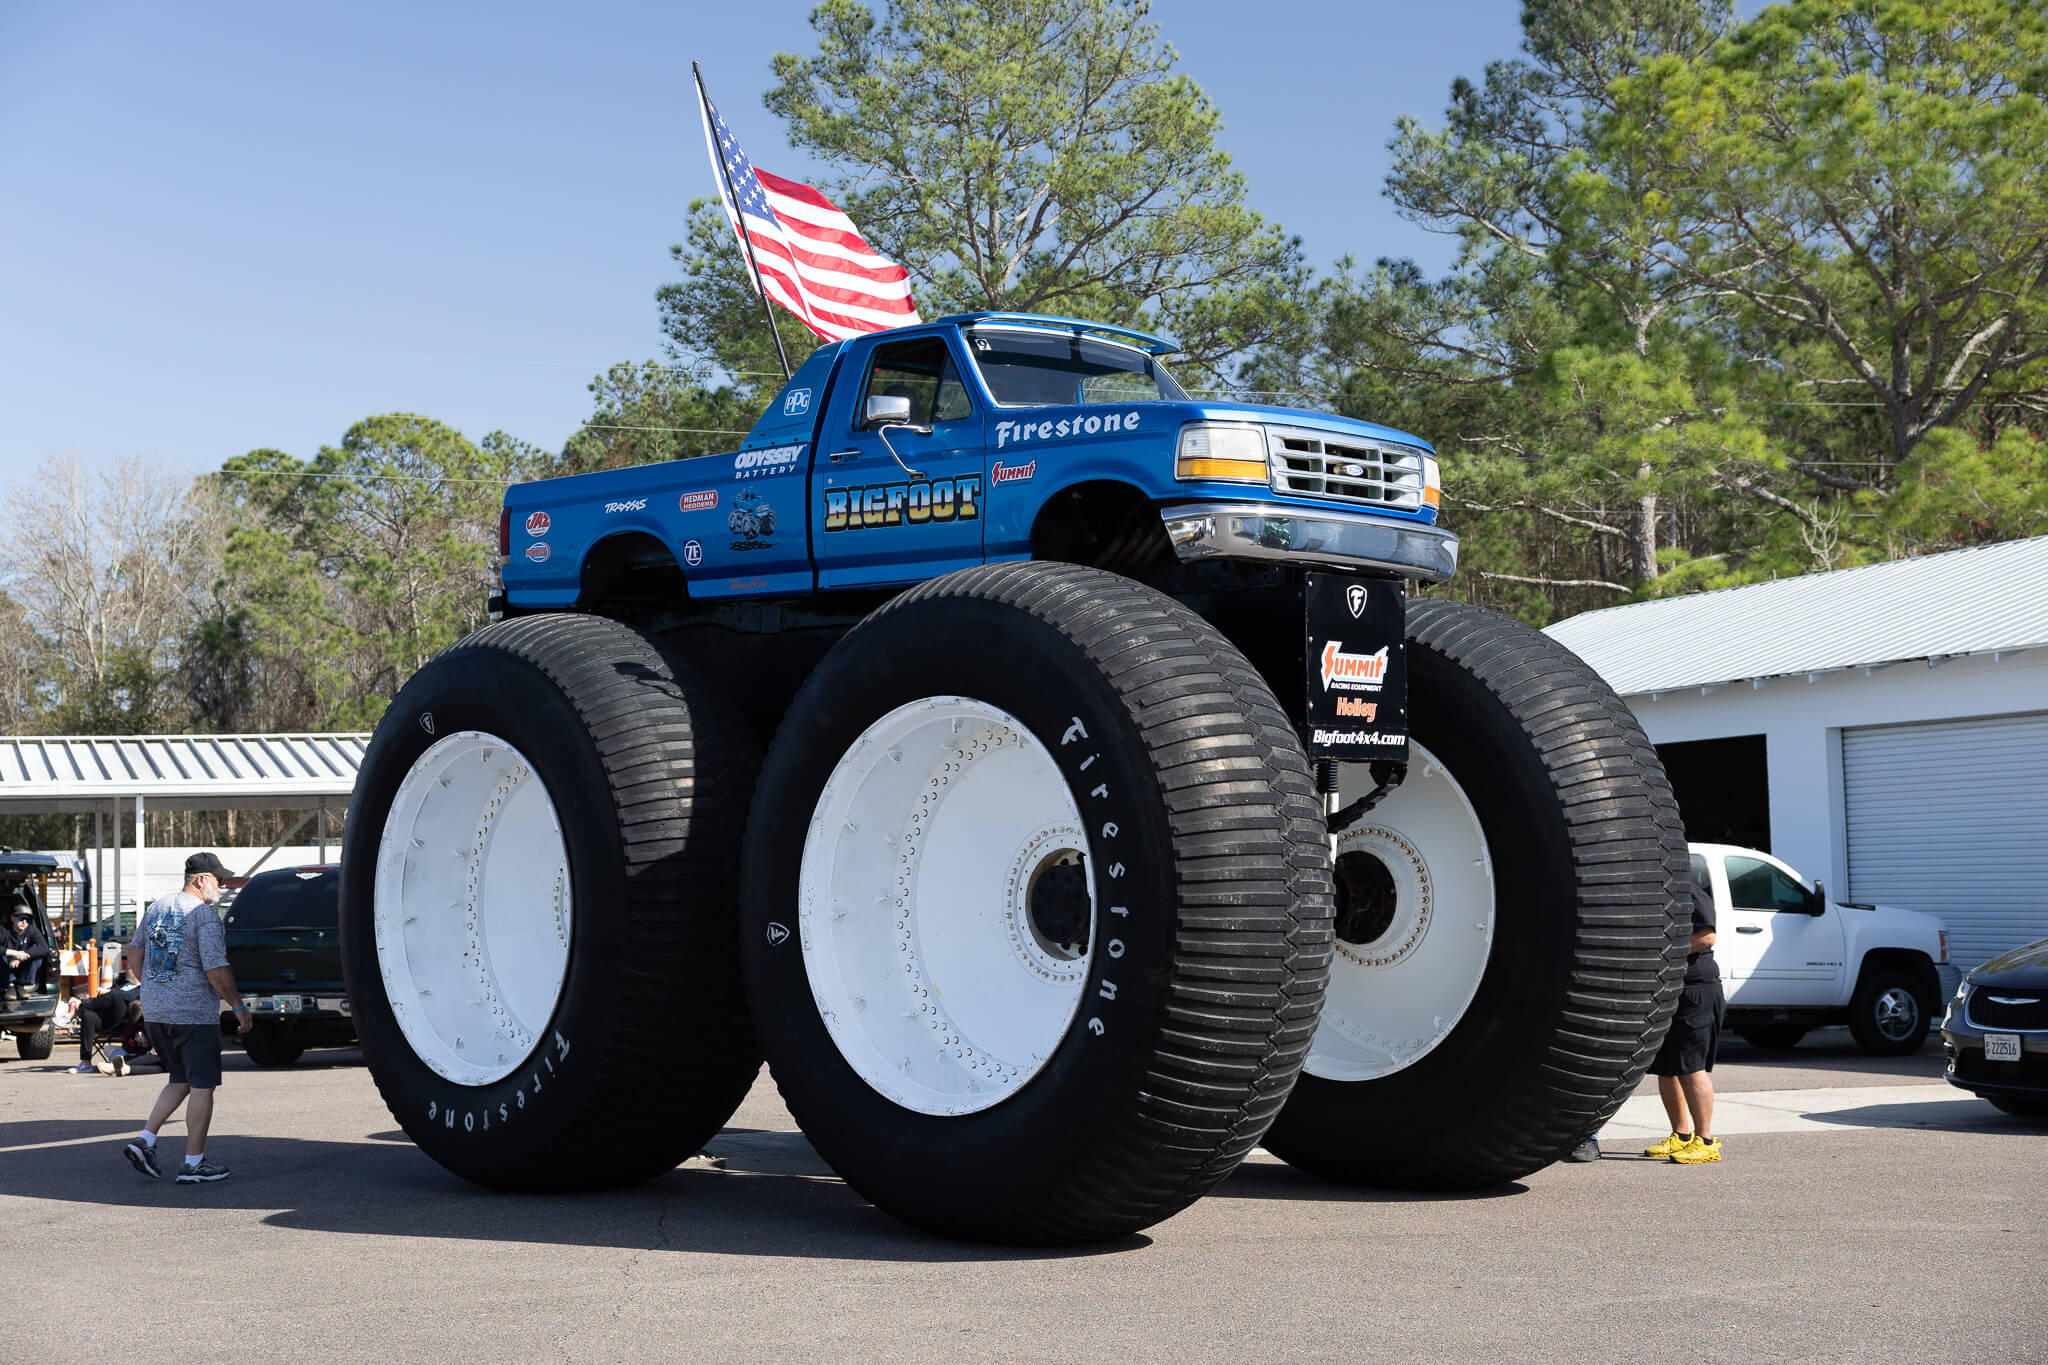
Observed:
{"x":1674,"y":1103}
{"x":1699,"y":1095}
{"x":167,"y":1103}
{"x":198,"y":1118}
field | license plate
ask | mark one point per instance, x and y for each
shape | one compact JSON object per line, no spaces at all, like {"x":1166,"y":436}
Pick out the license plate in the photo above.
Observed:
{"x":2001,"y":1047}
{"x":281,"y":1004}
{"x":1357,"y":668}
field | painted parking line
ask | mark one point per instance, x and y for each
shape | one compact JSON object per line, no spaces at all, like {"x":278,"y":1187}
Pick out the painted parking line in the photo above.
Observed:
{"x":1834,"y":1110}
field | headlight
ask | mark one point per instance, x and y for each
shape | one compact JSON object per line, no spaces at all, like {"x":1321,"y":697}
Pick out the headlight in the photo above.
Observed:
{"x":1432,"y":482}
{"x":1962,"y":991}
{"x":1236,"y":453}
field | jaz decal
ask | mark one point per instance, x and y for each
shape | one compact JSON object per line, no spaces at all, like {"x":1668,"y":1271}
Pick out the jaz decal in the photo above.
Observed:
{"x":1011,"y":473}
{"x":703,"y":500}
{"x":796,"y":402}
{"x":693,"y":553}
{"x":538,"y":523}
{"x":627,"y":505}
{"x":479,"y":1120}
{"x":902,"y":504}
{"x":538,"y":552}
{"x":756,"y":464}
{"x":1064,"y":428}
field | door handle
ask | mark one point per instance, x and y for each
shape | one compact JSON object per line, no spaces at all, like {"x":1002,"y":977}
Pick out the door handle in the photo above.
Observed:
{"x":1749,"y":928}
{"x":838,"y":455}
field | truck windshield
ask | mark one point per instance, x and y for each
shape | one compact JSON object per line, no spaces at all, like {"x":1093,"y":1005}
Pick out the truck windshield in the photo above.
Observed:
{"x":1043,"y":369}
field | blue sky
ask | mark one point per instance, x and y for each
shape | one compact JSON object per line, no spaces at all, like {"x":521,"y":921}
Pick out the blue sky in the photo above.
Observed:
{"x":233,"y":226}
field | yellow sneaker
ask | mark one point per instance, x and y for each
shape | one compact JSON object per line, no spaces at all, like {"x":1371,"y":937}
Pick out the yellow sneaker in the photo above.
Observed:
{"x":1668,"y":1145}
{"x":1698,"y":1152}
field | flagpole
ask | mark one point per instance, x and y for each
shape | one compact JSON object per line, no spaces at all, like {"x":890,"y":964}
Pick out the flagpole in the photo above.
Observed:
{"x":732,"y":197}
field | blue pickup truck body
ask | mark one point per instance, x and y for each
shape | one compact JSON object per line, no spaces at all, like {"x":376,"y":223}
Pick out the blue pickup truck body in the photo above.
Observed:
{"x":813,"y":501}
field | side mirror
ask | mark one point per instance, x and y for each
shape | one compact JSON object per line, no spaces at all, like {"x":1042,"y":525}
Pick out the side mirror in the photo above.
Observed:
{"x":887,"y":411}
{"x":1817,"y":903}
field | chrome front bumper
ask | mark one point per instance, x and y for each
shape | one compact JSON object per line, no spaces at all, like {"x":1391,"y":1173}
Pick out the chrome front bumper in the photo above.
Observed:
{"x":1345,"y":540}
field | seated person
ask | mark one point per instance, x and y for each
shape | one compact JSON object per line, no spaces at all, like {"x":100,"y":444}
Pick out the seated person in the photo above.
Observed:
{"x":23,"y":952}
{"x":105,"y":1016}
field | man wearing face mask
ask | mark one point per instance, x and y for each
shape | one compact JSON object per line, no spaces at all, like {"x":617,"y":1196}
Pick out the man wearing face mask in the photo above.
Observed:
{"x":180,"y":955}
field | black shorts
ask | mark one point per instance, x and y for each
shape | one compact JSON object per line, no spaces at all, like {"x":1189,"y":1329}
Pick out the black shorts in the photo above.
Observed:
{"x":1695,"y":1034}
{"x":190,"y":1052}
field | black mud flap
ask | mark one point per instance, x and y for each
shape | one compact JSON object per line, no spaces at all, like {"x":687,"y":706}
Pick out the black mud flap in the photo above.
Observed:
{"x":1357,"y":681}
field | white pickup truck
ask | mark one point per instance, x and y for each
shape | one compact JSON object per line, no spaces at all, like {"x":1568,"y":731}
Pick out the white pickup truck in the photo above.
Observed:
{"x":1793,"y":960}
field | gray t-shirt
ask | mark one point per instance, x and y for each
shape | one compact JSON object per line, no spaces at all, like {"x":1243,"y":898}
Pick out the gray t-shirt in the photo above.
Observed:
{"x":181,"y":939}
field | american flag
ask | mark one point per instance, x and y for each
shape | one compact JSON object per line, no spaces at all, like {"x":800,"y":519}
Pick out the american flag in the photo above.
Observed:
{"x":812,"y":258}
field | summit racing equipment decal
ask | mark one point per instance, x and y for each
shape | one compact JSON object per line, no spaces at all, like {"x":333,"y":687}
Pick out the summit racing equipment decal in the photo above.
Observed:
{"x":1064,"y":428}
{"x":755,"y":464}
{"x":1011,"y":473}
{"x":900,"y":504}
{"x":1357,"y":704}
{"x":1353,"y":672}
{"x":537,"y":524}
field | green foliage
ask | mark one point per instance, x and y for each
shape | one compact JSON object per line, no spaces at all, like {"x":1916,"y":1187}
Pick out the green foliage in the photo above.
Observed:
{"x":648,"y":413}
{"x":359,"y":565}
{"x":1040,"y":155}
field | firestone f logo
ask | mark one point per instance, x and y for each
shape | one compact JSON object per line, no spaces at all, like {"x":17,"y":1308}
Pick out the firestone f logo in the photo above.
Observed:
{"x":1354,"y":598}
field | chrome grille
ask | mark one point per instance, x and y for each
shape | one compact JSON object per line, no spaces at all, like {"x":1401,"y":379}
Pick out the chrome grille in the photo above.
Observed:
{"x":1317,"y":464}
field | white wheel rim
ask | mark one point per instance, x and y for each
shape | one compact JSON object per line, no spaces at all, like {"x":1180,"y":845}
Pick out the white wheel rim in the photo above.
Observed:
{"x":473,"y":908}
{"x":914,"y":906}
{"x":1392,"y":1000}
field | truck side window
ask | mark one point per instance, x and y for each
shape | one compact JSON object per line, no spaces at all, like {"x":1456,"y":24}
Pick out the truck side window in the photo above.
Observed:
{"x":1754,"y":885}
{"x":922,"y":371}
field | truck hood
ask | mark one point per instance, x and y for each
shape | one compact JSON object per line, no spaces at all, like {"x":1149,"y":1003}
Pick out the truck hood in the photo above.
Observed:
{"x":2023,"y":967}
{"x":1895,"y":919}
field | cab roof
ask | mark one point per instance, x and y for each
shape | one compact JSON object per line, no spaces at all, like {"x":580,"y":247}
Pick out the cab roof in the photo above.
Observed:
{"x":1144,"y":341}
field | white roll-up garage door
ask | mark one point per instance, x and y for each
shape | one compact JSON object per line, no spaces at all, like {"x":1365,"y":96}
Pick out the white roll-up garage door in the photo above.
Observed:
{"x":1953,"y":818}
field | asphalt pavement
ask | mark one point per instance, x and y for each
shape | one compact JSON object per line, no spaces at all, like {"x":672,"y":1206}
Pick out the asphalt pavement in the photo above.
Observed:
{"x":1865,"y":1210}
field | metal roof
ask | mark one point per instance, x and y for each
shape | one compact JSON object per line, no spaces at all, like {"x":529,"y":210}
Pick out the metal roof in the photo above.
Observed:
{"x":177,"y":772}
{"x":1989,"y":600}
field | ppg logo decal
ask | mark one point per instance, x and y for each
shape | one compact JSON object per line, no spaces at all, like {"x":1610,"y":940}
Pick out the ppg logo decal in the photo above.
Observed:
{"x":797,"y":402}
{"x":777,"y":935}
{"x":693,"y":552}
{"x":1354,"y":598}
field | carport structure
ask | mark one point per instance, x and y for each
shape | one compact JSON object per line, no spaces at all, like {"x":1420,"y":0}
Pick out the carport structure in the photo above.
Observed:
{"x":114,"y":776}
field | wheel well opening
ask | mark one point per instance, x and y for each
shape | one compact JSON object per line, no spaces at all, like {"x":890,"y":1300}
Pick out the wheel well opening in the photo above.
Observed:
{"x":1915,"y":964}
{"x":631,"y":571}
{"x":1104,"y":525}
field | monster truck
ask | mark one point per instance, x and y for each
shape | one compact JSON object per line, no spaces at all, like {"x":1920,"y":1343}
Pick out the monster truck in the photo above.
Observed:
{"x":1119,"y":810}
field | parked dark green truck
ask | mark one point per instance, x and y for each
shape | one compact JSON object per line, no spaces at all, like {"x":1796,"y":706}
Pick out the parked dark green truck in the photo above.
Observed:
{"x":284,"y":944}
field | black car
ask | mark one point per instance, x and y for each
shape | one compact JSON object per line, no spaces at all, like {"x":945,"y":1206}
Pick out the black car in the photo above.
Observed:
{"x":1996,"y":1032}
{"x":284,"y":944}
{"x":32,"y":1019}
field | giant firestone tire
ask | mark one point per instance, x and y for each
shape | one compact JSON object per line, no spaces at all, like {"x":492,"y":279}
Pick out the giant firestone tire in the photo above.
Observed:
{"x":538,"y":896}
{"x":1469,"y":1039}
{"x":1035,"y":909}
{"x":37,"y":1046}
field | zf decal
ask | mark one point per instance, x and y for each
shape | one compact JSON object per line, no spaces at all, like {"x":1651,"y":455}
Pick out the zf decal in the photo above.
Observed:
{"x":537,"y":524}
{"x":693,"y":553}
{"x":1065,"y":428}
{"x":900,"y":504}
{"x":755,"y":464}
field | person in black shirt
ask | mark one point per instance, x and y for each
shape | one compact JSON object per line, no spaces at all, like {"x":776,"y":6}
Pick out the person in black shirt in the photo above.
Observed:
{"x":103,"y":1015}
{"x":22,"y":946}
{"x":1684,"y":1065}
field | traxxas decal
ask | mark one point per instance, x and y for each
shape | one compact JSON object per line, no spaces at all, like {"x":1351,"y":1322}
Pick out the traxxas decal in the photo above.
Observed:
{"x":900,"y":504}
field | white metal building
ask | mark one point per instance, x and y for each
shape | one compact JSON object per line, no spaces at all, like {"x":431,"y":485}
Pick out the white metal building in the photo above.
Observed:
{"x":1883,"y":728}
{"x":115,"y":778}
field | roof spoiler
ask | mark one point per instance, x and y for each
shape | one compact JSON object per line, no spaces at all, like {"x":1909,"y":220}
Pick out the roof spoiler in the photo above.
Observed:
{"x":1144,"y":341}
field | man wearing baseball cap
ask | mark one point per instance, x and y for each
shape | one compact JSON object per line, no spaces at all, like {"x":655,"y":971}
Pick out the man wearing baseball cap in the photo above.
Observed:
{"x":180,"y":955}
